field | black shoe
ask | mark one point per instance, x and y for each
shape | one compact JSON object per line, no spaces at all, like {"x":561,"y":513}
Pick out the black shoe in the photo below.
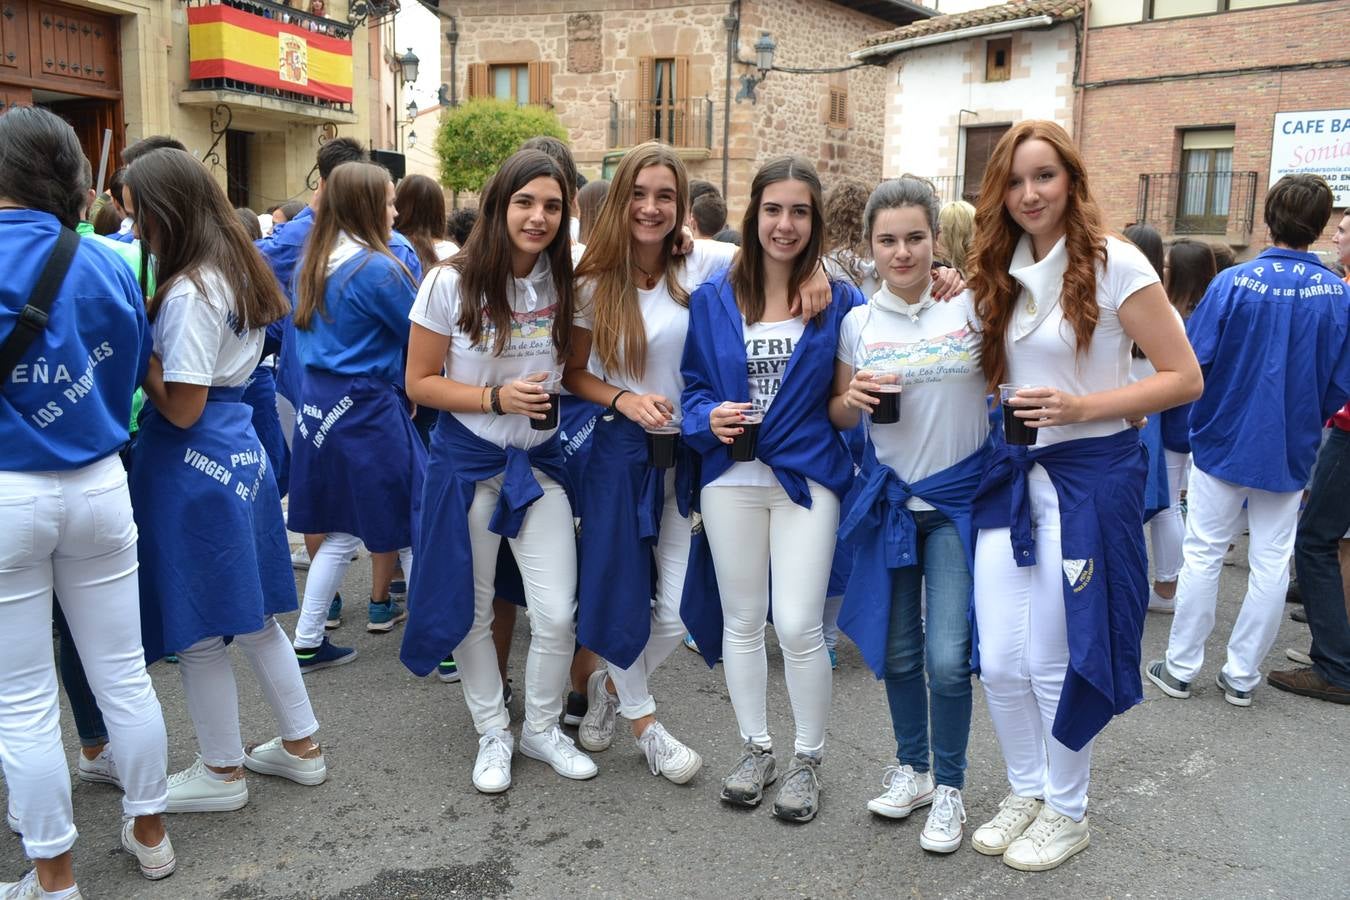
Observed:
{"x":575,"y":710}
{"x":1299,"y":615}
{"x":507,"y":694}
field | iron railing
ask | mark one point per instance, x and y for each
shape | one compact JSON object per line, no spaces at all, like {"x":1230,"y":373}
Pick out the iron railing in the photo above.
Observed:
{"x":951,"y":187}
{"x":288,"y":15}
{"x":686,"y":124}
{"x":1198,"y":202}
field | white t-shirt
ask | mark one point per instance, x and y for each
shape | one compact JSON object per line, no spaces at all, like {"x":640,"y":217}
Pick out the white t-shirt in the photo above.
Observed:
{"x":1042,"y":350}
{"x":665,"y":321}
{"x":943,"y":417}
{"x":768,"y":348}
{"x":528,"y":350}
{"x":199,"y":338}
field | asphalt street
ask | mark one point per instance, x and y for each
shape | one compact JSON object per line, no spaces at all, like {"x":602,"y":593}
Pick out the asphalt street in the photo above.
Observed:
{"x":1194,"y":799}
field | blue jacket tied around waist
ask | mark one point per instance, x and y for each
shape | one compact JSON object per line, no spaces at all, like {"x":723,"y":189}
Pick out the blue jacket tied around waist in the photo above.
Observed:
{"x":621,"y":503}
{"x":882,"y":529}
{"x":796,"y":438}
{"x":441,"y":592}
{"x":1100,"y":486}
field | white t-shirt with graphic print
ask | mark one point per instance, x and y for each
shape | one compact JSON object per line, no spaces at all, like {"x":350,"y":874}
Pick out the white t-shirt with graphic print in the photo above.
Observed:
{"x":528,"y":350}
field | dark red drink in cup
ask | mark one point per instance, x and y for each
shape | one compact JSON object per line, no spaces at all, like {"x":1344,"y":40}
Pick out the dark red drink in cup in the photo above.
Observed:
{"x":886,"y":412}
{"x":551,"y":382}
{"x":661,"y":443}
{"x":1015,"y":431}
{"x":744,"y":444}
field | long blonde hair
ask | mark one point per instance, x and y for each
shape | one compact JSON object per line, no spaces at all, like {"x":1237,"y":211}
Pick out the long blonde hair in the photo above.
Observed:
{"x":956,"y":230}
{"x":608,"y":262}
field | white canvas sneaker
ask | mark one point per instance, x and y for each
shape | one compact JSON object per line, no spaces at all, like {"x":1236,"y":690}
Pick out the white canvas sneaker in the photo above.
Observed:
{"x":1015,"y":815}
{"x":272,"y":758}
{"x":945,"y":827}
{"x":101,"y":769}
{"x":196,"y":790}
{"x":596,"y":731}
{"x":156,"y":862}
{"x":906,"y":791}
{"x":667,"y":756}
{"x":492,"y":768}
{"x":1049,"y":841}
{"x":555,"y":748}
{"x":27,"y":888}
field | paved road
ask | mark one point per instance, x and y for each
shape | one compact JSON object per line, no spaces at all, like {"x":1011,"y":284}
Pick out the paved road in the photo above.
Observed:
{"x":1194,"y":799}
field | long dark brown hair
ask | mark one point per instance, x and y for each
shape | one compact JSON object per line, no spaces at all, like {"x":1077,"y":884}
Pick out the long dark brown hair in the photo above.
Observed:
{"x":996,"y":237}
{"x":186,"y":221}
{"x":484,"y":262}
{"x":747,"y":272}
{"x":421,"y":216}
{"x":354,"y":200}
{"x":608,"y":262}
{"x":1190,"y":269}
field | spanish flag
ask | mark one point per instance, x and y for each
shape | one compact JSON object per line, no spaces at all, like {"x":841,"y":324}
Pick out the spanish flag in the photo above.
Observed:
{"x":224,"y":42}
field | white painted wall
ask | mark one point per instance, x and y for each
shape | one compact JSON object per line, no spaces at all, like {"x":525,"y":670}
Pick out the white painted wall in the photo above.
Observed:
{"x":928,"y":86}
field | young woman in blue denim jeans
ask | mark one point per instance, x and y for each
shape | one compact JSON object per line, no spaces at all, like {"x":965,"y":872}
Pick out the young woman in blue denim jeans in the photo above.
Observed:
{"x":911,"y":520}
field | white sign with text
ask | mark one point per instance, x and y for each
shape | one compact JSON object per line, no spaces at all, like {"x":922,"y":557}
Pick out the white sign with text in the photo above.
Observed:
{"x":1316,"y":141}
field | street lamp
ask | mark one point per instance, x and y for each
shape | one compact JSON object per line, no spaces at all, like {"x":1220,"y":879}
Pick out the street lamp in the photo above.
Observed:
{"x":764,"y":48}
{"x":412,"y":139}
{"x":408,"y":62}
{"x":412,"y":110}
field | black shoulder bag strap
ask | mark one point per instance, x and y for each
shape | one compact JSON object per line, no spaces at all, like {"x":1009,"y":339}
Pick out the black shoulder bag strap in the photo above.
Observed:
{"x":33,"y":317}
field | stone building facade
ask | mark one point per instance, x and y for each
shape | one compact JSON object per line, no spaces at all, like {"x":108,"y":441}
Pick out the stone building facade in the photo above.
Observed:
{"x":621,"y":71}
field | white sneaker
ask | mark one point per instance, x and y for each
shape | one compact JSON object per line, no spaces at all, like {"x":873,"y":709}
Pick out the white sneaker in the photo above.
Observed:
{"x":156,"y":862}
{"x":1015,"y":815}
{"x":1159,"y":604}
{"x":101,"y":769}
{"x":300,"y":558}
{"x":555,"y":748}
{"x":596,"y":731}
{"x":272,"y":758}
{"x":667,"y":756}
{"x":197,"y":790}
{"x":492,"y":768}
{"x":1298,"y":656}
{"x":27,"y":888}
{"x":944,"y":829}
{"x":1049,"y":841}
{"x":906,"y":791}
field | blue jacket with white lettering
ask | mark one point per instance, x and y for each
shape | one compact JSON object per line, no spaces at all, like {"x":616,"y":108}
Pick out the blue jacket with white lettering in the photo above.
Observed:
{"x":1273,"y":340}
{"x":68,"y":402}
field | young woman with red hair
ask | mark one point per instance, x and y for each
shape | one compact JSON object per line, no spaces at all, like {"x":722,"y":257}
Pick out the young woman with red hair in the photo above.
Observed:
{"x":1060,"y":567}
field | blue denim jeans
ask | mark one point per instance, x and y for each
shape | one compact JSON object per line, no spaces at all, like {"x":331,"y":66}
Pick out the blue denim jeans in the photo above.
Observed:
{"x":942,"y":642}
{"x":1325,"y":519}
{"x":83,"y":707}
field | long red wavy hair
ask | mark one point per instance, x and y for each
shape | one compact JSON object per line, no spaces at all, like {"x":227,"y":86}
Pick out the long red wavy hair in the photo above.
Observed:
{"x":996,"y":237}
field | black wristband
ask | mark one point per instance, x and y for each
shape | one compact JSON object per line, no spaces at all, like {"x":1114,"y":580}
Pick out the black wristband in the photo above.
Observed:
{"x":496,"y":400}
{"x":614,"y":404}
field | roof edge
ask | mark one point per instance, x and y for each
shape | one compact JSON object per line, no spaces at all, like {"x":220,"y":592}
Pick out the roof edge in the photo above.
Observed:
{"x":891,"y":48}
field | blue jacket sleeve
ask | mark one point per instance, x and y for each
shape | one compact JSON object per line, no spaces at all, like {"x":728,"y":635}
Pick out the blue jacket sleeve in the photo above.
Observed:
{"x":1205,"y":326}
{"x":392,"y":299}
{"x":699,"y":368}
{"x":403,"y":249}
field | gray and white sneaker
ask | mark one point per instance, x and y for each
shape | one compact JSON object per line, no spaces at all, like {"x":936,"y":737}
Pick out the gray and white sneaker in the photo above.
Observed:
{"x":906,"y":791}
{"x":1230,"y":693}
{"x":1168,"y":683}
{"x":799,"y":796}
{"x":944,"y":829}
{"x":1298,"y":656}
{"x":667,"y":756}
{"x":596,"y":731}
{"x":745,"y":785}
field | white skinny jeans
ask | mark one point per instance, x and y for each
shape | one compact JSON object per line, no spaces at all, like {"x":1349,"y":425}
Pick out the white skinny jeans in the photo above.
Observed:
{"x":1213,"y":519}
{"x":326,"y":572}
{"x":546,"y":552}
{"x":213,"y":698}
{"x":753,"y":531}
{"x":1024,"y":656}
{"x":672,"y":558}
{"x":1168,"y":527}
{"x":72,"y":532}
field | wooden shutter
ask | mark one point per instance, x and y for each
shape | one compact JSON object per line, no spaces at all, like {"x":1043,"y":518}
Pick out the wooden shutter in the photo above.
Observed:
{"x":541,"y":83}
{"x":838,"y":112}
{"x":646,"y":108}
{"x":680,"y":133}
{"x":478,"y":84}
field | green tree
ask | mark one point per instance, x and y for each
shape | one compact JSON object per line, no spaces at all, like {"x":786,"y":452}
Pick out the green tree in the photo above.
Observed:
{"x":477,"y":137}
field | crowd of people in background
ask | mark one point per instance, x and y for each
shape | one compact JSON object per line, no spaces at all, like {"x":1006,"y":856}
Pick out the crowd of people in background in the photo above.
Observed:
{"x":937,"y":429}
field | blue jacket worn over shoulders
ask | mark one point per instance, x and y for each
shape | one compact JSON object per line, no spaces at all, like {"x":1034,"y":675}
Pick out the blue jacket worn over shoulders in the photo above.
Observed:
{"x":1100,"y":486}
{"x":441,"y":590}
{"x":882,"y":528}
{"x":796,"y":439}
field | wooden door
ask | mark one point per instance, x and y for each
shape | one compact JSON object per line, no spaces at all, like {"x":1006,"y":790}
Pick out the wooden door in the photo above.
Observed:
{"x":980,"y":143}
{"x":90,"y":118}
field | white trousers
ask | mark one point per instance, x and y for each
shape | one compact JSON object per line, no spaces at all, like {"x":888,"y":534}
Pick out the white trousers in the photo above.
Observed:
{"x":1024,"y":656}
{"x":672,"y":558}
{"x":213,"y":698}
{"x":754,"y":532}
{"x":1213,"y":519}
{"x":72,"y":532}
{"x":1168,"y":527}
{"x":546,"y":552}
{"x":326,"y":571}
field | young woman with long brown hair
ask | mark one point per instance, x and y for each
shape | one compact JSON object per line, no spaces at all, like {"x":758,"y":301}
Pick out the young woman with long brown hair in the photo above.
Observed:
{"x":1059,"y":611}
{"x":489,"y":328}
{"x":214,"y":557}
{"x":420,"y":203}
{"x":357,"y":459}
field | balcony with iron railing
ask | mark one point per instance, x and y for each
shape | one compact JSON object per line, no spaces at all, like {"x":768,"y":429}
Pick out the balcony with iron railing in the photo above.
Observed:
{"x":1214,"y":203}
{"x":686,"y":125}
{"x":311,"y":82}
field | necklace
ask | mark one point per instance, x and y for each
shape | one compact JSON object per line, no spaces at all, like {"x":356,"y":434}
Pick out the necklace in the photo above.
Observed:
{"x":1031,"y":304}
{"x":648,"y":279}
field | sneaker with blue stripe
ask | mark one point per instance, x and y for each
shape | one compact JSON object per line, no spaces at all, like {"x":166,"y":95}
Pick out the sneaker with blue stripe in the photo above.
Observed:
{"x":447,"y":670}
{"x":324,"y":656}
{"x":384,"y":616}
{"x":334,"y":618}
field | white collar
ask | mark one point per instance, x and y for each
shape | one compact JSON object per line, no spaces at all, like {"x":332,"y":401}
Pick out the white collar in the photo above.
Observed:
{"x":885,"y":299}
{"x":532,"y":285}
{"x":1041,"y":285}
{"x":344,"y":248}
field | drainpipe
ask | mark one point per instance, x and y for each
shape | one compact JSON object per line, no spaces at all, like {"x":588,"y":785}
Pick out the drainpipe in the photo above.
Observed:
{"x":452,"y":37}
{"x":1080,"y":73}
{"x":733,"y":26}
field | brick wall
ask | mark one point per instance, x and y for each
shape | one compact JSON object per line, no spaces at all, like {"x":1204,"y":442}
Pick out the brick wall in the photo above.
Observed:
{"x":1135,"y":128}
